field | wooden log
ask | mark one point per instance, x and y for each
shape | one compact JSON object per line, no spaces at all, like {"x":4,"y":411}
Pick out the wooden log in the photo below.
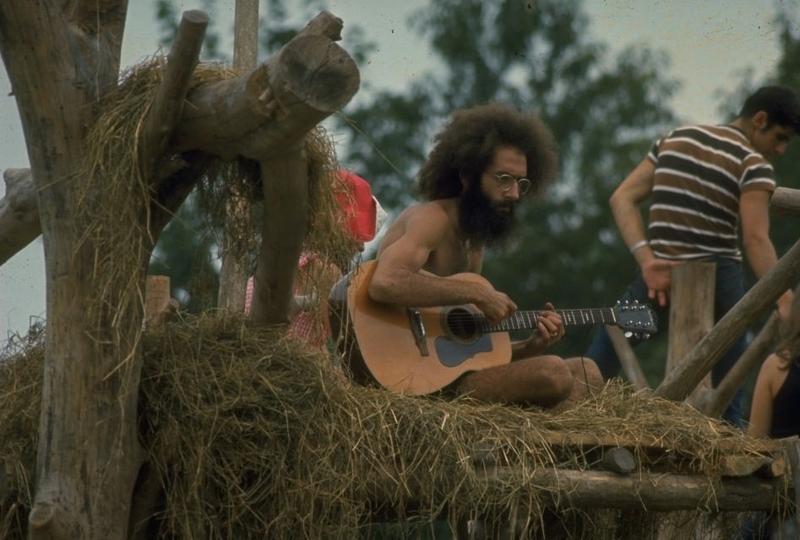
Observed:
{"x":792,"y":446}
{"x":260,"y":114}
{"x":783,"y":276}
{"x":745,"y":465}
{"x":764,"y":447}
{"x":691,"y":315}
{"x":19,"y":213}
{"x":773,"y":468}
{"x":236,"y":241}
{"x":310,"y":94}
{"x":627,"y":359}
{"x":651,"y":492}
{"x":618,"y":460}
{"x":721,"y":396}
{"x":785,"y":202}
{"x":159,"y":306}
{"x":283,"y":231}
{"x":167,"y":107}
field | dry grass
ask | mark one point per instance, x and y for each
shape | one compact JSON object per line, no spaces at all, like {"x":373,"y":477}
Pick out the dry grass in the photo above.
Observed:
{"x":253,"y":436}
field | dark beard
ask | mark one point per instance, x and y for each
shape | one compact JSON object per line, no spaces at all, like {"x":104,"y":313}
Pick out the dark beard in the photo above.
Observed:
{"x":481,"y":221}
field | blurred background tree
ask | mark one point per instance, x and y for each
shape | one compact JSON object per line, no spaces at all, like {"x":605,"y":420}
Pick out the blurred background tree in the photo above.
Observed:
{"x":604,"y":110}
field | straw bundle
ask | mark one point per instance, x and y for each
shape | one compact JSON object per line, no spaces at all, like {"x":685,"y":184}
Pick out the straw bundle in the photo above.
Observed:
{"x":254,"y":436}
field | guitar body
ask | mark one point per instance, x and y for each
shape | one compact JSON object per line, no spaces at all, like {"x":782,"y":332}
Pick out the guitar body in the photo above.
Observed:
{"x":379,"y":345}
{"x":422,"y":350}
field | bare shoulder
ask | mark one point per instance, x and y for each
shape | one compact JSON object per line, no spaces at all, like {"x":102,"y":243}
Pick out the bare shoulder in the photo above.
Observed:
{"x":433,"y":212}
{"x":773,"y":372}
{"x":425,"y":219}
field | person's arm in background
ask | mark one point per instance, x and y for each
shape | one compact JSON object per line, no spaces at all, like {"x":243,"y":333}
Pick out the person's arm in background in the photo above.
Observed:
{"x":758,"y":248}
{"x":625,"y":207}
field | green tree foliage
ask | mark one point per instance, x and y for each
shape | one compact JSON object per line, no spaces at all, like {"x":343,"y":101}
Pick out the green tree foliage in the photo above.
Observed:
{"x":784,"y":230}
{"x":604,"y":112}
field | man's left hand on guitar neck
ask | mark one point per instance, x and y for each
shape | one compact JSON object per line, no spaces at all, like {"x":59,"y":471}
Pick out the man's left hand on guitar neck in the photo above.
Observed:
{"x":549,"y":330}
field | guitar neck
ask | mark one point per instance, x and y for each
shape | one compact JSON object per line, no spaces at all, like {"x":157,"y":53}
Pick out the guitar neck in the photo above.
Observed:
{"x":526,"y":320}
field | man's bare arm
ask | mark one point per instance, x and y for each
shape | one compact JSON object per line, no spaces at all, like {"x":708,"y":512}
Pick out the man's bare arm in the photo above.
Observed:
{"x":624,"y":203}
{"x":399,"y":277}
{"x":758,"y":248}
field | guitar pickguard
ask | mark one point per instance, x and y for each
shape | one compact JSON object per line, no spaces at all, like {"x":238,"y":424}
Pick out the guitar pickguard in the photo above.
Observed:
{"x":452,"y":353}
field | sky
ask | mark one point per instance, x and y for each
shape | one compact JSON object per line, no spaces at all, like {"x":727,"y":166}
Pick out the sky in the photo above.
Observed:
{"x":710,"y":44}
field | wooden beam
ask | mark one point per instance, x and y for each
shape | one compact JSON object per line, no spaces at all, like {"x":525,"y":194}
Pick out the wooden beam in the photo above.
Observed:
{"x":792,"y":446}
{"x":783,"y":276}
{"x":283,"y":230}
{"x":645,"y":491}
{"x":627,"y":359}
{"x":262,"y":114}
{"x":236,"y":241}
{"x":588,"y":440}
{"x":761,"y":346}
{"x":785,"y":202}
{"x":167,"y":107}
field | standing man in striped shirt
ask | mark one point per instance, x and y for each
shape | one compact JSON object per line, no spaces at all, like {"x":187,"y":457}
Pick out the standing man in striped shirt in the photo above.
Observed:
{"x":704,"y":182}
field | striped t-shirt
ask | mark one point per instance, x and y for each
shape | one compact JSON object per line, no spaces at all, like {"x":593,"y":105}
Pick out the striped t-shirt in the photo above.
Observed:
{"x":700,"y":173}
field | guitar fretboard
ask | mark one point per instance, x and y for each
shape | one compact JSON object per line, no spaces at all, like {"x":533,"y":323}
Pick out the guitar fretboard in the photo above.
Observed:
{"x":525,"y":320}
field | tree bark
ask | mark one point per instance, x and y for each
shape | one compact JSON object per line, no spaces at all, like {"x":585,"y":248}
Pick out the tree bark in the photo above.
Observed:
{"x":238,"y":218}
{"x":312,"y":93}
{"x":88,"y":456}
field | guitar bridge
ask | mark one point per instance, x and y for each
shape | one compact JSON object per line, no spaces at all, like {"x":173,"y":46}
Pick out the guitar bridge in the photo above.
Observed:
{"x":418,"y":330}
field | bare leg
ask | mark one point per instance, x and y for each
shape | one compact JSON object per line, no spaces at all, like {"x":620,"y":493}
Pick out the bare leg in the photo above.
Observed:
{"x":541,"y":380}
{"x":588,"y":379}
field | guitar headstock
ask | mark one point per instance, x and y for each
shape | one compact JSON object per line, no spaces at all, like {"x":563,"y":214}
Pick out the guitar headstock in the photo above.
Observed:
{"x":635,"y":319}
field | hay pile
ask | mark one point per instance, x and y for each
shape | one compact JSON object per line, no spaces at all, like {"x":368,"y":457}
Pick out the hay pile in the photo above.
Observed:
{"x":253,"y":436}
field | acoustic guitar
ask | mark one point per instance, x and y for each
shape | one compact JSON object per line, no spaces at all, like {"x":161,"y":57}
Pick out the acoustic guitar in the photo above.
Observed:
{"x":418,"y":351}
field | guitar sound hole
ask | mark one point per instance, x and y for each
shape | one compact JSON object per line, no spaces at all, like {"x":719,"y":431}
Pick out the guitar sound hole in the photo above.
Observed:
{"x":461,"y":324}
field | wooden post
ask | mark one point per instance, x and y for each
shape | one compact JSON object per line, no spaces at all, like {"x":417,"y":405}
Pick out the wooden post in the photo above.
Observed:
{"x":792,"y":446}
{"x":762,"y":296}
{"x":627,"y":358}
{"x":237,"y":241}
{"x":156,"y":299}
{"x":691,"y":315}
{"x":752,"y":357}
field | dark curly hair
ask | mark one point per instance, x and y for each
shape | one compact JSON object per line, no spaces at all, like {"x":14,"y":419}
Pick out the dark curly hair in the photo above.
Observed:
{"x":467,"y":143}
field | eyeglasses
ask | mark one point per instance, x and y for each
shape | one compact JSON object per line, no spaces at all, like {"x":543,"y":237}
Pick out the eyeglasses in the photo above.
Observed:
{"x":505,"y":181}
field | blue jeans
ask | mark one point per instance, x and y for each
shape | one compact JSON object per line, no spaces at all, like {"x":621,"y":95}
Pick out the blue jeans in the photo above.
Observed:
{"x":729,"y":290}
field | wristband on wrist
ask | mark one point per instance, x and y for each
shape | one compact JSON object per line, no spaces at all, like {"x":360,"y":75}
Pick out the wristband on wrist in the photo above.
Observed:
{"x":638,"y":245}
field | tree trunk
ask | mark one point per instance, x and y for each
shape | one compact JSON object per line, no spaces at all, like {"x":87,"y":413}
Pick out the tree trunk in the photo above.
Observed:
{"x":86,"y":459}
{"x":88,"y":456}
